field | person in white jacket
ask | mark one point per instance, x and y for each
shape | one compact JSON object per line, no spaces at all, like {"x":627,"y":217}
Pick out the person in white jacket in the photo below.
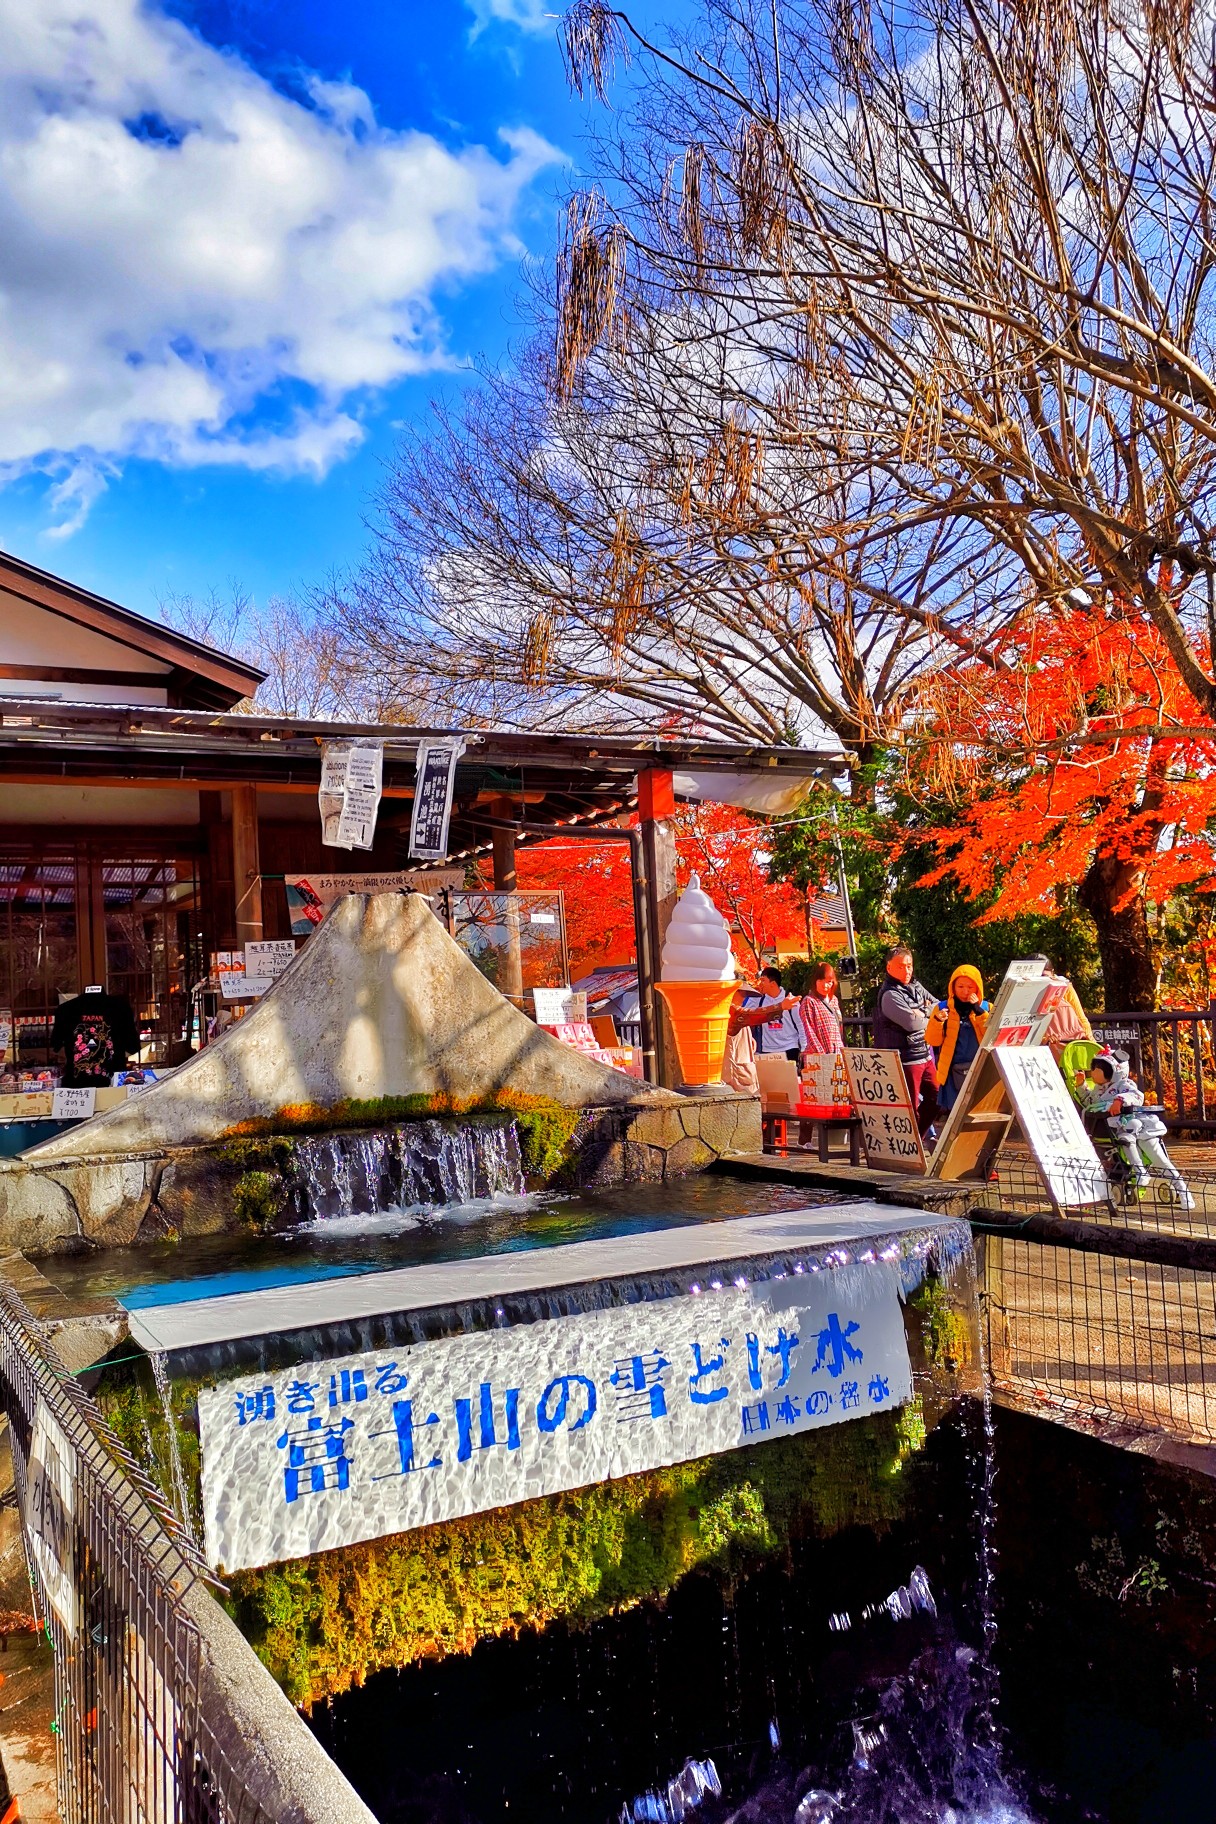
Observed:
{"x":1138,"y":1135}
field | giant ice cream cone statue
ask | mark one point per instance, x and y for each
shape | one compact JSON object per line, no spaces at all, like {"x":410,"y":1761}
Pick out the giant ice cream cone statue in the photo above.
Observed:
{"x":698,"y":983}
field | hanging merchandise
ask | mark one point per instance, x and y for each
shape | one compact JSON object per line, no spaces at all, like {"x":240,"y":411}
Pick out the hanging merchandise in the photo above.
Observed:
{"x":435,"y":782}
{"x":97,"y":1033}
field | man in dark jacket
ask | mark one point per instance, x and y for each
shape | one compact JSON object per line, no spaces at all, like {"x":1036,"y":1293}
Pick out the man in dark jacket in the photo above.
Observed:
{"x":901,"y":1014}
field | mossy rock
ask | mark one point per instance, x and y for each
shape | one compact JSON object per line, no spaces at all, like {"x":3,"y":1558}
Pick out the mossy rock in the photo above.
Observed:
{"x":944,"y":1328}
{"x":326,"y":1623}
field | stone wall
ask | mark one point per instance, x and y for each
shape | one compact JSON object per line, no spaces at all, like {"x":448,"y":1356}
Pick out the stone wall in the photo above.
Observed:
{"x":48,"y":1205}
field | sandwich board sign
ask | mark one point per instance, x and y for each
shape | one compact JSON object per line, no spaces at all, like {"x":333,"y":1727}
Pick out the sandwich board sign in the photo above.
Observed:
{"x":982,"y":1115}
{"x":883,"y":1105}
{"x":1052,"y":1125}
{"x":1022,"y":1083}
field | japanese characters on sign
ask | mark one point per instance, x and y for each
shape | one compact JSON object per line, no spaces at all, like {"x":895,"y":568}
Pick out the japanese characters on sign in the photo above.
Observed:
{"x":1052,"y":1125}
{"x":433,"y":787}
{"x":333,"y":1452}
{"x":74,"y":1104}
{"x":559,"y":1006}
{"x":309,"y":896}
{"x":50,"y":1514}
{"x":883,"y":1105}
{"x":349,"y":795}
{"x":266,"y":961}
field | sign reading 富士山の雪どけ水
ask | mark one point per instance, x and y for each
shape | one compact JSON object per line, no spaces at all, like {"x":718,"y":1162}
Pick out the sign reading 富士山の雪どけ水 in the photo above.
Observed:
{"x":323,"y":1455}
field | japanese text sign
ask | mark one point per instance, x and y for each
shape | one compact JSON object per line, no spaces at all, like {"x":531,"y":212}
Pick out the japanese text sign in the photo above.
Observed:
{"x":73,"y":1104}
{"x":309,"y":896}
{"x":303,"y":1460}
{"x":50,"y":1514}
{"x":559,"y":1006}
{"x":266,"y":961}
{"x":349,"y":795}
{"x":1054,"y":1131}
{"x":433,"y":788}
{"x":883,"y":1105}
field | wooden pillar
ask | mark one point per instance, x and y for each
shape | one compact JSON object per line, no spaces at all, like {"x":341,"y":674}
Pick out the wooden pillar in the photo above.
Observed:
{"x":246,"y":865}
{"x":511,"y":976}
{"x":656,"y":806}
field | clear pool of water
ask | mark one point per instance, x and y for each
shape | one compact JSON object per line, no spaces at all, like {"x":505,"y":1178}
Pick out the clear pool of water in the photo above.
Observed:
{"x":215,"y":1265}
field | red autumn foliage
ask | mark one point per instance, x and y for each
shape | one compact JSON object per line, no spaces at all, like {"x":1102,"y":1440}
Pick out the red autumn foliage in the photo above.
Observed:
{"x":1084,"y":761}
{"x":724,"y":846}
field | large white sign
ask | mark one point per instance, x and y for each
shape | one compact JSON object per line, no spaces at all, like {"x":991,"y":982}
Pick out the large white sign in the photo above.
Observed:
{"x":1055,"y":1133}
{"x":50,"y":1515}
{"x":327,"y":1454}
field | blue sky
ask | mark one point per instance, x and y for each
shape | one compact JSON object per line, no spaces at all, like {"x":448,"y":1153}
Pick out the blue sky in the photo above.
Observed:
{"x":240,"y":241}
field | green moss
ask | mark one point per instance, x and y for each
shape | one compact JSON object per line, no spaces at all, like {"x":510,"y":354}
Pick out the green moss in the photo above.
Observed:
{"x":128,"y":1398}
{"x":257,"y":1199}
{"x":378,"y":1111}
{"x":546,"y":1132}
{"x":546,"y":1135}
{"x":326,"y":1623}
{"x":945,"y":1331}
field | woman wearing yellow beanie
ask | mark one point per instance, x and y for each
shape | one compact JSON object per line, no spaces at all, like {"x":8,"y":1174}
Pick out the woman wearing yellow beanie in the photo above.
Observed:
{"x":955,"y":1030}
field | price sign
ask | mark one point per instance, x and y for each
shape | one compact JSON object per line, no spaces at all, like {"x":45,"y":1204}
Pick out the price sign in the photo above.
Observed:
{"x":73,"y":1104}
{"x":267,"y":960}
{"x":879,"y":1091}
{"x":559,"y":1006}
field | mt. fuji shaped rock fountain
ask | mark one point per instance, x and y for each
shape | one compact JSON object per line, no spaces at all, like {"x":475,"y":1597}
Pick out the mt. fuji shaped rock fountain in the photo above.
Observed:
{"x":381,"y":1020}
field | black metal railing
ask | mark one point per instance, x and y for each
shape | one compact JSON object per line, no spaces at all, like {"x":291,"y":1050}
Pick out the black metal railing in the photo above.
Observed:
{"x":1172,"y":1057}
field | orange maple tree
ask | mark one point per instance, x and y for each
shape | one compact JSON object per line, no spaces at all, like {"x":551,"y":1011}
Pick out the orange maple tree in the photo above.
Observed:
{"x":1081,"y":764}
{"x":725,"y":847}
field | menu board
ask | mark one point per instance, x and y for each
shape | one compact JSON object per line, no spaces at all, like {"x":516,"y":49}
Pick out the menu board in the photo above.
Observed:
{"x":883,"y":1104}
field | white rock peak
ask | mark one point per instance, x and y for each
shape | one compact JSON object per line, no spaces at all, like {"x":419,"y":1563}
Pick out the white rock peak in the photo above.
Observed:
{"x":697,"y":945}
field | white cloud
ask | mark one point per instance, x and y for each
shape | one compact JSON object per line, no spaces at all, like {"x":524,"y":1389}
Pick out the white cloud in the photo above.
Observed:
{"x":197,"y":268}
{"x":528,"y":15}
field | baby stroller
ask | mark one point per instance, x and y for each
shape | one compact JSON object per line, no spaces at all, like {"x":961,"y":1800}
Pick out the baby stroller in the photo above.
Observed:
{"x":1136,"y":1163}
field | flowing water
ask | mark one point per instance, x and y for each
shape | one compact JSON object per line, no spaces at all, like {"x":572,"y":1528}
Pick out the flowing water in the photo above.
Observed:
{"x":181,"y":1499}
{"x":421,"y":1165}
{"x":890,"y":1721}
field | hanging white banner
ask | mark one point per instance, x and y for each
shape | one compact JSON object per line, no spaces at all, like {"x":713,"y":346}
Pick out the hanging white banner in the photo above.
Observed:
{"x":434,"y":784}
{"x":327,"y":1454}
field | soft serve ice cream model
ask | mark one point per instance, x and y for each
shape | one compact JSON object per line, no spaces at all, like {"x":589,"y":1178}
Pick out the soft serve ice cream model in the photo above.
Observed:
{"x":698,"y":983}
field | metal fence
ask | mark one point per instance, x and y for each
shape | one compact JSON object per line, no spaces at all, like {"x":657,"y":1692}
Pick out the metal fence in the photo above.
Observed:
{"x":1132,"y":1341}
{"x":1099,"y":1299}
{"x":1172,"y":1057}
{"x":163,"y":1713}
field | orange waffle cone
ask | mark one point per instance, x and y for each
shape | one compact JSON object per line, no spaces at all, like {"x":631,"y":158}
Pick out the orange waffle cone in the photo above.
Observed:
{"x":700,"y":1014}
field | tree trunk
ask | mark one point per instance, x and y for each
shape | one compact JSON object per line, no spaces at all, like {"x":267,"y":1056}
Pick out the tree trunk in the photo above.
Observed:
{"x":1111,"y":894}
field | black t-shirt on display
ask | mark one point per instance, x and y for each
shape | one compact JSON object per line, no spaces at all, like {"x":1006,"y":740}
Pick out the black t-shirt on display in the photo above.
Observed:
{"x":96,"y":1032}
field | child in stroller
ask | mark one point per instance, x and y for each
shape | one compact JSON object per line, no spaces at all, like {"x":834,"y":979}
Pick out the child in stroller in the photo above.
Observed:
{"x":1135,"y":1130}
